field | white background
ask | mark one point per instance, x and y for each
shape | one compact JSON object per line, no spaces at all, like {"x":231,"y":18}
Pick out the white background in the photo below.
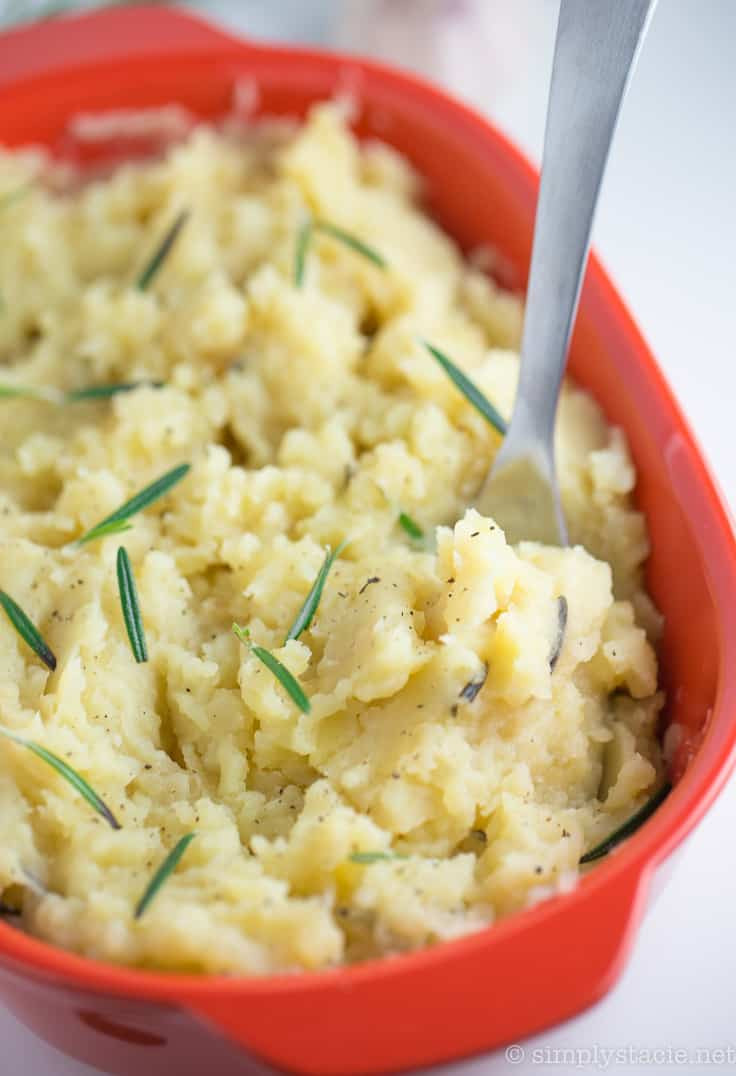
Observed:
{"x":666,"y":230}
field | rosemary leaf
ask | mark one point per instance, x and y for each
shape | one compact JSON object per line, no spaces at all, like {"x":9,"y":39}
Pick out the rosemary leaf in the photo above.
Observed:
{"x":474,"y":686}
{"x":131,"y":607}
{"x":560,"y":633}
{"x":163,"y":251}
{"x":65,"y":770}
{"x":116,"y":522}
{"x":34,"y":883}
{"x":630,"y":826}
{"x":166,"y":869}
{"x":470,"y":391}
{"x":102,"y":392}
{"x":93,"y":392}
{"x":30,"y":392}
{"x":412,"y":529}
{"x":303,"y":240}
{"x":349,"y":240}
{"x":374,"y":857}
{"x":352,"y":242}
{"x":289,"y":683}
{"x":305,"y":615}
{"x":9,"y":392}
{"x":104,"y":530}
{"x":27,"y":630}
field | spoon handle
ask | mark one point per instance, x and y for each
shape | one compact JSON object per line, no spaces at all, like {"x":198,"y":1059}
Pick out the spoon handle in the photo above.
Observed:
{"x":597,"y":41}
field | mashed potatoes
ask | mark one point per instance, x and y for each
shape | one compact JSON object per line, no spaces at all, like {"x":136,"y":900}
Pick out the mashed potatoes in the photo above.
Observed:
{"x":439,"y":733}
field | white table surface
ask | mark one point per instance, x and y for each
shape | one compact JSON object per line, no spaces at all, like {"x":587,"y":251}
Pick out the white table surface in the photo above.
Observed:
{"x":666,"y":229}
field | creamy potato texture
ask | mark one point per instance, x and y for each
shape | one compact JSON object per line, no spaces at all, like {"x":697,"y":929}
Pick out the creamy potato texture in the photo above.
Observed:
{"x":438,"y":731}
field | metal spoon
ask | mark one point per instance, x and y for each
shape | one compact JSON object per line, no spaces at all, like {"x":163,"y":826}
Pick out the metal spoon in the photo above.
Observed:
{"x":596,"y":46}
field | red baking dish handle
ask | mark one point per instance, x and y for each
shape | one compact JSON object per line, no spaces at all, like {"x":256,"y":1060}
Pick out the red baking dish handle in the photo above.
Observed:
{"x":114,"y":34}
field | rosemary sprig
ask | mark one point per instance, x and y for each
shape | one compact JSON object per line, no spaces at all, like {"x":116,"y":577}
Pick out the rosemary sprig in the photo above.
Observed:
{"x":27,"y":630}
{"x":305,"y":616}
{"x":410,"y":526}
{"x":631,"y":825}
{"x":470,"y":391}
{"x":130,"y":606}
{"x":11,"y":392}
{"x":65,"y":770}
{"x":29,"y":392}
{"x":104,"y":530}
{"x":167,"y":868}
{"x":304,"y":238}
{"x":92,"y":392}
{"x":163,"y":251}
{"x":351,"y":241}
{"x":103,"y":392}
{"x":289,"y":683}
{"x":374,"y":857}
{"x":117,"y":521}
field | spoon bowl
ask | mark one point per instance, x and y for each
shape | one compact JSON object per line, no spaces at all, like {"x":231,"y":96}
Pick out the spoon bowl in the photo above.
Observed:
{"x":595,"y":52}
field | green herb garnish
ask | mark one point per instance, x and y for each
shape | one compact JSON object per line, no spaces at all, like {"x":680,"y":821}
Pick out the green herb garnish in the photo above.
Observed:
{"x":164,"y":249}
{"x":65,"y":771}
{"x":352,"y":242}
{"x":116,"y":523}
{"x":556,"y":649}
{"x":474,"y":686}
{"x":374,"y":857}
{"x":412,"y":529}
{"x":93,"y":392}
{"x":10,"y":392}
{"x":346,"y":238}
{"x":103,"y":392}
{"x":29,"y":392}
{"x":130,"y":606}
{"x":630,"y":826}
{"x":167,"y":868}
{"x":289,"y":683}
{"x":104,"y":530}
{"x":303,"y":240}
{"x":305,"y":615}
{"x":27,"y":630}
{"x":470,"y":391}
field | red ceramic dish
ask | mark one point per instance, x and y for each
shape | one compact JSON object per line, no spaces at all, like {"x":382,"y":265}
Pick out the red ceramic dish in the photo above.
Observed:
{"x":544,"y":964}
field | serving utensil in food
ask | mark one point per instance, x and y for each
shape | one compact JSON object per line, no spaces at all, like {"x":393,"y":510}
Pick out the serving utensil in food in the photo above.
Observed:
{"x":596,"y":47}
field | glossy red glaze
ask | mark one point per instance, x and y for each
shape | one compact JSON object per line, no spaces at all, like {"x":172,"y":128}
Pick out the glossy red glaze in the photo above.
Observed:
{"x":541,"y":965}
